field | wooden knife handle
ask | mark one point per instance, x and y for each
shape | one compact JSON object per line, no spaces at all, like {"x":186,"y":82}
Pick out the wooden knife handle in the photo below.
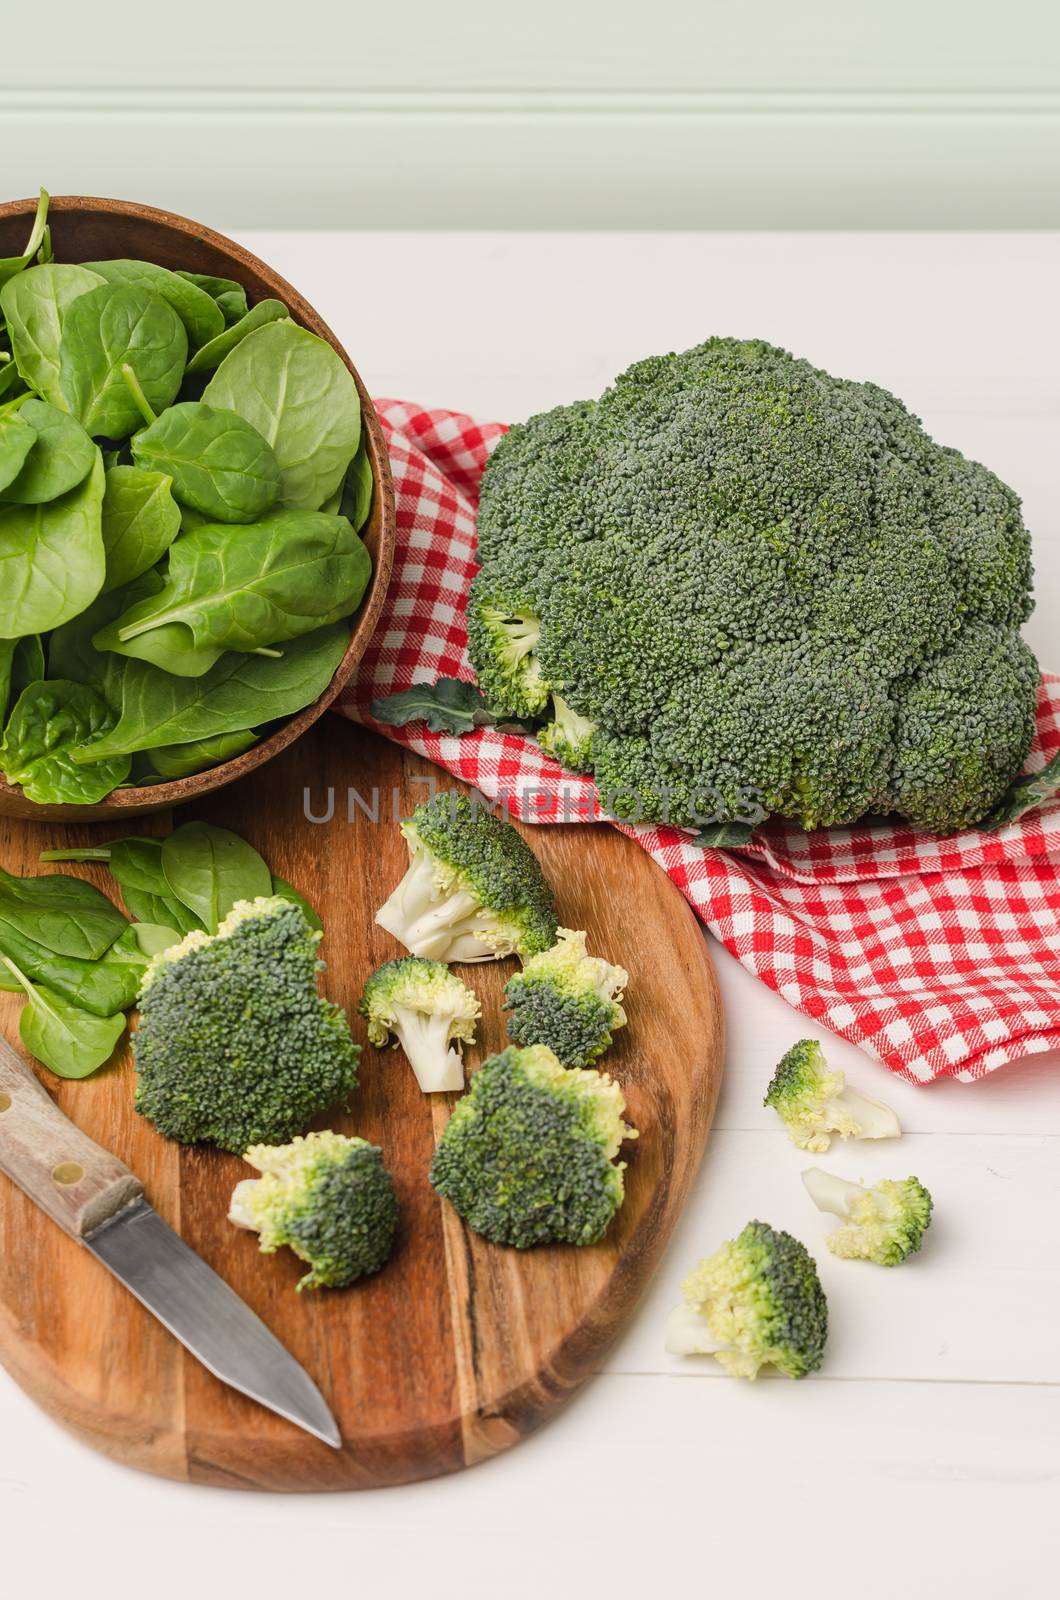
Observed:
{"x":77,"y":1183}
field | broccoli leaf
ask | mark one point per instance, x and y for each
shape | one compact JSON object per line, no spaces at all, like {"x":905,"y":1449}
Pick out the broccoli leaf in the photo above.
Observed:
{"x":724,"y":835}
{"x":1025,"y":794}
{"x":448,"y":706}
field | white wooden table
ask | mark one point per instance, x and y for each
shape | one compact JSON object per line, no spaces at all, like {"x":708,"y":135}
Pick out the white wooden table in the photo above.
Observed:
{"x":929,"y":1447}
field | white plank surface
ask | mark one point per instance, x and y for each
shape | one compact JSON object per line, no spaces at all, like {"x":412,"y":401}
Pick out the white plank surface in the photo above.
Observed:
{"x":928,"y":1449}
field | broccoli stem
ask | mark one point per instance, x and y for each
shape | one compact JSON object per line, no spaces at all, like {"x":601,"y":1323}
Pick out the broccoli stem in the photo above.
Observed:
{"x":829,"y":1193}
{"x":438,"y":1066}
{"x":687,"y":1333}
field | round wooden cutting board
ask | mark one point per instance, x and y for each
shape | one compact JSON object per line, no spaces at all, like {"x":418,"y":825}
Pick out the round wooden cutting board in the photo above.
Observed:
{"x":458,"y":1348}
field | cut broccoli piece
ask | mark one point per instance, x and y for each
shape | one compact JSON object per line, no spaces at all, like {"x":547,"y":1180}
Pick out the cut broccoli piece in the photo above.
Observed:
{"x":567,"y":1000}
{"x":884,"y":1224}
{"x":756,"y":1302}
{"x":326,"y":1196}
{"x":529,"y":1154}
{"x":429,"y":1012}
{"x":739,"y":576}
{"x":813,"y":1103}
{"x":235,"y":1046}
{"x":473,"y":890}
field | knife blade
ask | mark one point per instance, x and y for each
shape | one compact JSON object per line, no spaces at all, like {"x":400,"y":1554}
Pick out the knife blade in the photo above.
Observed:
{"x":96,"y":1200}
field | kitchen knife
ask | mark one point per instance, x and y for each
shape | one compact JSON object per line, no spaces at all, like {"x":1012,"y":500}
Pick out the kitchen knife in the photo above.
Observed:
{"x":100,"y":1203}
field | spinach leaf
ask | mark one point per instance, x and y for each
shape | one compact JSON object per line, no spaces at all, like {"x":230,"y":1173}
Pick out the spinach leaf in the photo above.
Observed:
{"x":71,"y":653}
{"x":65,"y":915}
{"x":103,"y":987}
{"x":21,"y":663}
{"x":230,"y":296}
{"x":70,"y":1041}
{"x":301,"y":397}
{"x":211,"y":355}
{"x":219,"y":464}
{"x":254,"y":586}
{"x":154,"y":939}
{"x":51,"y":558}
{"x":35,"y":305}
{"x":10,"y":265}
{"x":110,"y":328}
{"x":208,"y":869}
{"x":171,"y":761}
{"x":11,"y":383}
{"x":17,"y":439}
{"x":287,"y":891}
{"x":52,"y":719}
{"x":448,"y":705}
{"x":171,"y":648}
{"x":62,"y":455}
{"x":357,"y":490}
{"x":241,"y":691}
{"x":202,"y":318}
{"x":140,"y":521}
{"x":136,"y":866}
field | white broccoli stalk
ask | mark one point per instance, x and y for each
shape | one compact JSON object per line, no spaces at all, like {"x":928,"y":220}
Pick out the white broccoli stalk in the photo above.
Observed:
{"x":428,"y":1012}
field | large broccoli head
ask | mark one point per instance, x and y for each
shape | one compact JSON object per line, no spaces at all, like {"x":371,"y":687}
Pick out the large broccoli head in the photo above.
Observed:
{"x":734,"y":572}
{"x":235,"y":1046}
{"x":473,"y":890}
{"x":528,"y":1156}
{"x":329,"y":1198}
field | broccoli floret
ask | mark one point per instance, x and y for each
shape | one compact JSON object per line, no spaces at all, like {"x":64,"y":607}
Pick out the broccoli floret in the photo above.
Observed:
{"x":567,"y":1000}
{"x":735,"y":574}
{"x":235,"y":1046}
{"x":884,"y":1224}
{"x":429,"y":1012}
{"x":473,"y":890}
{"x":756,"y":1302}
{"x":327,"y":1197}
{"x":528,"y":1156}
{"x":813,"y":1103}
{"x":568,"y":737}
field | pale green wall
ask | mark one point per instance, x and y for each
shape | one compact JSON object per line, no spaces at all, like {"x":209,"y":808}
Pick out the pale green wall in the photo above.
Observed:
{"x":605,"y":113}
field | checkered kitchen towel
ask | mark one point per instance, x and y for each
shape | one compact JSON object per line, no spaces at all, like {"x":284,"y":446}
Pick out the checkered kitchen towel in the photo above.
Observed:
{"x":938,"y":956}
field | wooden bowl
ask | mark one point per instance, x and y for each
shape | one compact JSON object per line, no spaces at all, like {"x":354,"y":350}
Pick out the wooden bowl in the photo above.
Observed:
{"x":88,"y":229}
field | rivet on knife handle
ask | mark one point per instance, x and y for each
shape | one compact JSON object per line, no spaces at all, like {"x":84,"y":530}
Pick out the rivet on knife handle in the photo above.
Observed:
{"x":59,"y":1167}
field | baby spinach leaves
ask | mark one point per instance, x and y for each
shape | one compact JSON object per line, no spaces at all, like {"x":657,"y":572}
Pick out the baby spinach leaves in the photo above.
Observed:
{"x":140,"y":521}
{"x":17,"y":439}
{"x":65,"y":915}
{"x":209,"y":869}
{"x":252,"y":587}
{"x":110,"y":328}
{"x":301,"y":397}
{"x":229,"y":296}
{"x":35,"y":304}
{"x":241,"y":691}
{"x":210,"y":356}
{"x":72,"y":1042}
{"x":60,"y":457}
{"x":170,"y":761}
{"x":51,"y":558}
{"x":202,"y":318}
{"x":50,"y":721}
{"x":10,"y":265}
{"x":21,"y":663}
{"x":219,"y":464}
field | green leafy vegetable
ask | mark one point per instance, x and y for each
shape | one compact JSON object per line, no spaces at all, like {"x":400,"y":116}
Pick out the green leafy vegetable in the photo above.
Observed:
{"x":140,"y":521}
{"x":153,"y":939}
{"x":209,"y":358}
{"x":21,"y":663}
{"x":253,"y":586}
{"x":241,"y":691}
{"x":136,"y":866}
{"x":10,"y":265}
{"x":301,"y":397}
{"x":287,"y":891}
{"x":103,"y":987}
{"x":172,"y":761}
{"x":61,"y":456}
{"x":114,"y":327}
{"x":356,"y":499}
{"x":35,"y":304}
{"x":230,"y":296}
{"x":446,"y":706}
{"x":17,"y":439}
{"x":219,"y":464}
{"x":65,"y":915}
{"x":51,"y":720}
{"x":72,"y":1042}
{"x":51,"y":558}
{"x":724,"y":835}
{"x":208,"y":869}
{"x":202,"y":318}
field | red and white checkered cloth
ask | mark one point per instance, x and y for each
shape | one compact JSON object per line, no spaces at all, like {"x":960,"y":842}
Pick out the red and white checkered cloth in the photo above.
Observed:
{"x":941,"y":957}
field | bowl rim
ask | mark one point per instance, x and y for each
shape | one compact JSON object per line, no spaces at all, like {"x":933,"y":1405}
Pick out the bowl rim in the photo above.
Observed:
{"x":380,"y":537}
